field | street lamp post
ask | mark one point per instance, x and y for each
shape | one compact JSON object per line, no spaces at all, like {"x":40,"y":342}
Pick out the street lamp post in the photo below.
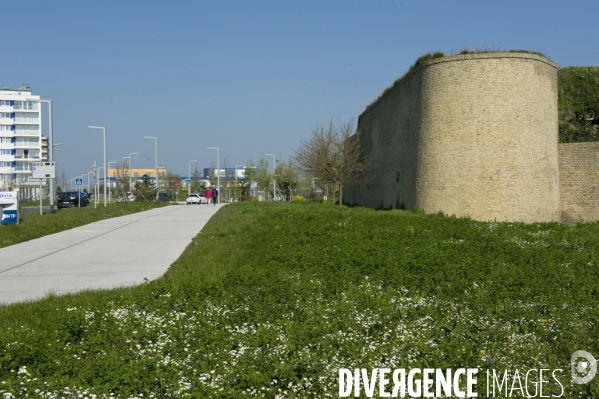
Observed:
{"x":50,"y":148}
{"x":88,"y":180}
{"x":109,"y":196}
{"x":104,"y":136}
{"x":130,"y":162}
{"x":274,"y":168}
{"x":79,"y":191}
{"x":155,"y":159}
{"x":189,"y":174}
{"x":217,"y":170}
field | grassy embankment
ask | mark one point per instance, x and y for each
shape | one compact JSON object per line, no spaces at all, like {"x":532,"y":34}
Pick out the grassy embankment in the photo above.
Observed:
{"x":271,"y":299}
{"x":35,"y":225}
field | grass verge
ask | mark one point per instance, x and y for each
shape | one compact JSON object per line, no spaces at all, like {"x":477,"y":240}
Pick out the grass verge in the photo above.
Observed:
{"x":35,"y":225}
{"x":270,"y":300}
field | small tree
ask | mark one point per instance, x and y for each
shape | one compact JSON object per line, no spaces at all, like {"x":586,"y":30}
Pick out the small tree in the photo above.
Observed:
{"x":196,"y":180}
{"x":170,"y":183}
{"x":333,"y":155}
{"x":145,"y":190}
{"x":213,"y":178}
{"x":263,"y":176}
{"x":287,"y":177}
{"x":250,"y":178}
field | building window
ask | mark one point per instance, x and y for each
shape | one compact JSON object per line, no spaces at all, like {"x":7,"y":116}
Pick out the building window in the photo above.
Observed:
{"x":27,"y":130}
{"x":5,"y":127}
{"x":28,"y":105}
{"x":5,"y":139}
{"x":5,"y":152}
{"x":5,"y":102}
{"x":24,"y":117}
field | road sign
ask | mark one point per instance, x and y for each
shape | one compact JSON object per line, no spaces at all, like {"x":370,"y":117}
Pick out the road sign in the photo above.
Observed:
{"x":9,"y":207}
{"x":177,"y":184}
{"x":79,"y":182}
{"x":187,"y":181}
{"x":43,"y":170}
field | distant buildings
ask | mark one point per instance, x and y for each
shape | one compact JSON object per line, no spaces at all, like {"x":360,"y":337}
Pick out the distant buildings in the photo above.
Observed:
{"x":21,"y":140}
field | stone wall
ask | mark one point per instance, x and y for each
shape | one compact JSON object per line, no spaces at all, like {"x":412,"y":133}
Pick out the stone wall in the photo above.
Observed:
{"x":470,"y":135}
{"x":579,"y":173}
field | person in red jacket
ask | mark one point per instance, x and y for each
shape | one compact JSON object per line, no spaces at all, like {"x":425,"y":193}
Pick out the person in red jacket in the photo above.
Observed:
{"x":209,"y":196}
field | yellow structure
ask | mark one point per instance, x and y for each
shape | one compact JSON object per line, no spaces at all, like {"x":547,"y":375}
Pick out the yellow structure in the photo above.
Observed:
{"x":136,"y":173}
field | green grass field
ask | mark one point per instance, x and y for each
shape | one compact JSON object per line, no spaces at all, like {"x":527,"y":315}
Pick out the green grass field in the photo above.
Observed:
{"x":270,"y":300}
{"x":35,"y":225}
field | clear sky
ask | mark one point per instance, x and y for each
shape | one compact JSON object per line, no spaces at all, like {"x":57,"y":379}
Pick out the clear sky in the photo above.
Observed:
{"x":250,"y":77}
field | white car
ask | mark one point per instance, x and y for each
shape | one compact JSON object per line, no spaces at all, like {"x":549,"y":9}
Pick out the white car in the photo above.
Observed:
{"x":193,"y":199}
{"x":197,"y":199}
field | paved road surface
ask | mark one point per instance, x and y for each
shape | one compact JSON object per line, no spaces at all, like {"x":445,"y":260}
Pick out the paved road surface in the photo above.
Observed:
{"x":110,"y":253}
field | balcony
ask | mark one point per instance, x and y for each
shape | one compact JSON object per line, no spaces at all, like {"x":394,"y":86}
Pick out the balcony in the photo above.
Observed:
{"x":26,"y":132}
{"x":26,"y":121}
{"x":26,"y":145}
{"x":7,"y":170}
{"x":22,"y":157}
{"x":26,"y":106}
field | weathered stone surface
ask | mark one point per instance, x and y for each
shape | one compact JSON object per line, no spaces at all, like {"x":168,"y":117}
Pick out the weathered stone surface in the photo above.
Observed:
{"x":470,"y":135}
{"x":579,"y":173}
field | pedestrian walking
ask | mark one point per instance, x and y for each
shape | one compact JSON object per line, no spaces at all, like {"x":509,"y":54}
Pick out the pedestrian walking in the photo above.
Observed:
{"x":214,"y":195}
{"x":208,"y":195}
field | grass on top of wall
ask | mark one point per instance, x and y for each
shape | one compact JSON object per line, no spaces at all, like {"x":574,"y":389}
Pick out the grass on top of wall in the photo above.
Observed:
{"x":33,"y":225}
{"x":438,"y":54}
{"x":270,"y":300}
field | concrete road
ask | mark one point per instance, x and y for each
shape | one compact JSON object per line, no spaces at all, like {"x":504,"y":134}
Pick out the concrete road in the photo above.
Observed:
{"x":111,"y":253}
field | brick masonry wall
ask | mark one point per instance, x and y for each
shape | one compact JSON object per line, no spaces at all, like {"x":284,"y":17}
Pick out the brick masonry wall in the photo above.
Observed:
{"x":470,"y":135}
{"x":579,"y":173}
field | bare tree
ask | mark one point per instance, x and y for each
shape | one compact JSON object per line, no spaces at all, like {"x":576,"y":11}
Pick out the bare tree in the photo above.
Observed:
{"x":333,"y":155}
{"x":287,"y":177}
{"x":170,"y":183}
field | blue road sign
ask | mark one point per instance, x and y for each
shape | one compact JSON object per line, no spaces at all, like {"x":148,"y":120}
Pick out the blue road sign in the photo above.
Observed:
{"x":79,"y":182}
{"x":187,"y":181}
{"x":9,"y":216}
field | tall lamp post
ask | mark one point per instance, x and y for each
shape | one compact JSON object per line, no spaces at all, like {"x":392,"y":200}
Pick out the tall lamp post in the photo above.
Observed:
{"x":274,"y":182}
{"x":130,"y":162}
{"x":155,"y":159}
{"x":109,"y":196}
{"x":217,"y":170}
{"x":50,"y":147}
{"x":189,"y":174}
{"x":88,"y":180}
{"x":104,"y":136}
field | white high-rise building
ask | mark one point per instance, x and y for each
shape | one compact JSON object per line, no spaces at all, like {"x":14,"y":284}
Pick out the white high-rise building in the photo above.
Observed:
{"x":21,"y":140}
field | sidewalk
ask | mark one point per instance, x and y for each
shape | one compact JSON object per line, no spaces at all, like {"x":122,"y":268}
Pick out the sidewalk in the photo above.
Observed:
{"x":107,"y":254}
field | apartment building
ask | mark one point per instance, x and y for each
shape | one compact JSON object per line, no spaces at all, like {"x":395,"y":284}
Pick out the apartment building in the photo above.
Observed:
{"x":21,"y":140}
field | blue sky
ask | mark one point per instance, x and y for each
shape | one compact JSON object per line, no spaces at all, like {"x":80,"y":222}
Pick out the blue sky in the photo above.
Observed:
{"x":250,"y":77}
